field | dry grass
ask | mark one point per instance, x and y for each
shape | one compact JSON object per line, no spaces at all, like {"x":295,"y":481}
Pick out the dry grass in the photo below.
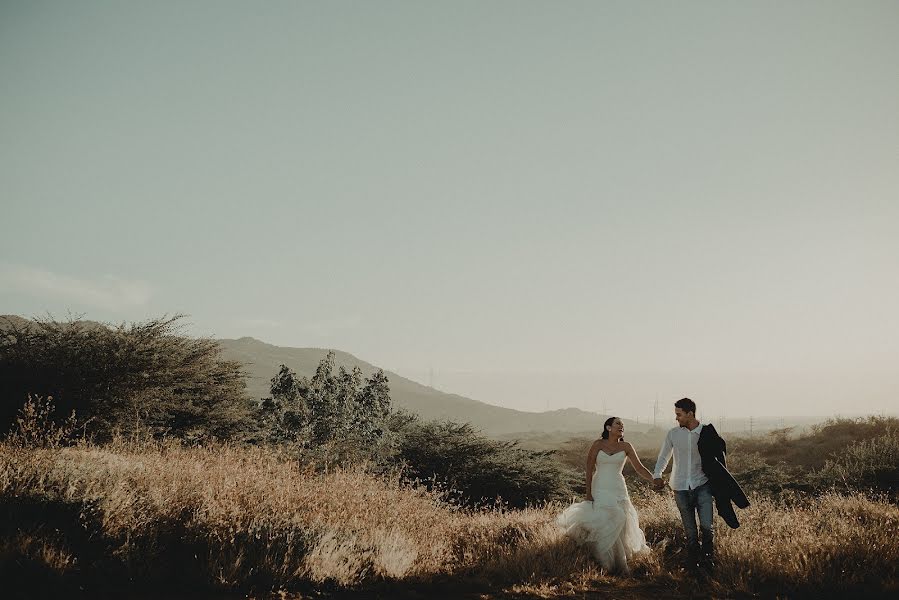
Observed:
{"x":811,"y":449}
{"x":250,"y":513}
{"x":249,"y":518}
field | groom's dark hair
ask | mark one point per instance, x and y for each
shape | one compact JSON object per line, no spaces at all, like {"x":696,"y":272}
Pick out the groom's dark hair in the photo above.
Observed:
{"x":686,"y":405}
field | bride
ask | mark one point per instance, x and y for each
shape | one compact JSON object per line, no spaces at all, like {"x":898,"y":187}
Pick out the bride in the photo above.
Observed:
{"x":607,"y":521}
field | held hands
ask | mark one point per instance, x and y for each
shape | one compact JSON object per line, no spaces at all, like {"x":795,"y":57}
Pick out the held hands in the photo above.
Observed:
{"x":658,"y":484}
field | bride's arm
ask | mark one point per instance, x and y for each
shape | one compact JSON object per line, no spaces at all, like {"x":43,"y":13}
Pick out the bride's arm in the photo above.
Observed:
{"x":591,"y":466}
{"x":635,"y":462}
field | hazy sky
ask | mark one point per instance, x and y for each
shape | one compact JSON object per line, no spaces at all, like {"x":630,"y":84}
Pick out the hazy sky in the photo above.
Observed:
{"x":548,"y":203}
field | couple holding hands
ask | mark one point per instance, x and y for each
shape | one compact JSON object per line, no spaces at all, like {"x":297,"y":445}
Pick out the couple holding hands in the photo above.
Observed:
{"x":607,"y":521}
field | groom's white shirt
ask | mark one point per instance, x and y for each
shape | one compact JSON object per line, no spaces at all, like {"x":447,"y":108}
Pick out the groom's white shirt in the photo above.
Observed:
{"x":686,"y":474}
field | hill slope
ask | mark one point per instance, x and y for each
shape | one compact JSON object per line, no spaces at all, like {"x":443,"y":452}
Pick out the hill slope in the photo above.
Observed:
{"x":263,"y":360}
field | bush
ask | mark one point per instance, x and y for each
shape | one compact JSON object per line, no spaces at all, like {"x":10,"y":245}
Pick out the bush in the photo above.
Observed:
{"x":755,"y":474}
{"x":866,"y":465}
{"x":857,"y":454}
{"x":479,"y":470}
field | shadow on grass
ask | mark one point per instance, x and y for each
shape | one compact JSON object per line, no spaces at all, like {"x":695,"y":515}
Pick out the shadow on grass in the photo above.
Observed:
{"x":47,"y":550}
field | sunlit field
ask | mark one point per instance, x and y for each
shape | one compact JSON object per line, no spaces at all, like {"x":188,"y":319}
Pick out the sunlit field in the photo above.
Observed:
{"x":229,"y":519}
{"x":334,"y":299}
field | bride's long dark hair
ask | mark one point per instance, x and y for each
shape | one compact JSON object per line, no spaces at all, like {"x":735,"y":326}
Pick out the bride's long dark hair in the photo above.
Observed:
{"x":608,"y":423}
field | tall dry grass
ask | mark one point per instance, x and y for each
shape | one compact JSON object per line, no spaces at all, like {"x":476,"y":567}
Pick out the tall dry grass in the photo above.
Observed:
{"x":228,"y":517}
{"x":807,"y":546}
{"x":225,"y":514}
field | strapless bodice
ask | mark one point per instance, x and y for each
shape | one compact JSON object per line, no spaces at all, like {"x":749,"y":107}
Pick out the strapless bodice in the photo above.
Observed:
{"x":608,"y":481}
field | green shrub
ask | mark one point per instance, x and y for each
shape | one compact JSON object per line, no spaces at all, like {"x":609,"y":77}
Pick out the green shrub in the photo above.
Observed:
{"x":857,"y":454}
{"x":871,"y":464}
{"x":755,"y":474}
{"x":481,"y":471}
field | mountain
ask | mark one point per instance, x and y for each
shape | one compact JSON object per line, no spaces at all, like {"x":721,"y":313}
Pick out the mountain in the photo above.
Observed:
{"x":263,"y":361}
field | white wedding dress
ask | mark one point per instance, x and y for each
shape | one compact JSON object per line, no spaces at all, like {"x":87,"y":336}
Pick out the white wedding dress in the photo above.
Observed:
{"x":609,"y":524}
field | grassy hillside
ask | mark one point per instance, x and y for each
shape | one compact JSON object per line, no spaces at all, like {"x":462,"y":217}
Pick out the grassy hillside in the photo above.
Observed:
{"x":812,"y":448}
{"x":89,"y":519}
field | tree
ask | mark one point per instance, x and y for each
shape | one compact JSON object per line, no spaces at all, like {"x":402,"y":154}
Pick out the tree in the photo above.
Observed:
{"x":374,"y":408}
{"x":122,"y":377}
{"x":285,"y":414}
{"x":342,"y":412}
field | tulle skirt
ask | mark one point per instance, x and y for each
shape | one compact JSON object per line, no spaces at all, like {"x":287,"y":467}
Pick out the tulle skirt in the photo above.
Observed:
{"x":609,"y":527}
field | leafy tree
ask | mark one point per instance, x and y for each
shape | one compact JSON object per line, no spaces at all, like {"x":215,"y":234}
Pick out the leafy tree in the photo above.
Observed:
{"x":340,"y":411}
{"x":285,"y":414}
{"x":332,"y":400}
{"x":373,"y":408}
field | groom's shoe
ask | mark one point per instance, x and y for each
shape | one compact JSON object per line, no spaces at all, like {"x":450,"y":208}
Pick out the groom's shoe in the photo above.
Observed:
{"x":707,"y":558}
{"x":691,"y":562}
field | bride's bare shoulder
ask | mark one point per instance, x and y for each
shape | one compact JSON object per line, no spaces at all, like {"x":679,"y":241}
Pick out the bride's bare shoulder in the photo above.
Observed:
{"x":596,"y":446}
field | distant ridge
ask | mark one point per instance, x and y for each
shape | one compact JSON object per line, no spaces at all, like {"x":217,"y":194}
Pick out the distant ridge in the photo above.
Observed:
{"x":262,"y":360}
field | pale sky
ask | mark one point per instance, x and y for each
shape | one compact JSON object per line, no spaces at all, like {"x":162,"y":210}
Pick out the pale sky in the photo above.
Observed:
{"x":549,"y":204}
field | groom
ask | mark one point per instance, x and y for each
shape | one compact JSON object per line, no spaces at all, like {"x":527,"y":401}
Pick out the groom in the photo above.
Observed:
{"x":696,"y":446}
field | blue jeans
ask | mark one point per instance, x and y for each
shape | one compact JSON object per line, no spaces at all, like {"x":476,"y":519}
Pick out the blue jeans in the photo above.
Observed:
{"x":689,"y":502}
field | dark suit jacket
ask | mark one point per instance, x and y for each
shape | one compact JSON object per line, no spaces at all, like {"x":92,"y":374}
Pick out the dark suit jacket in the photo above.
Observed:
{"x":713,"y":453}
